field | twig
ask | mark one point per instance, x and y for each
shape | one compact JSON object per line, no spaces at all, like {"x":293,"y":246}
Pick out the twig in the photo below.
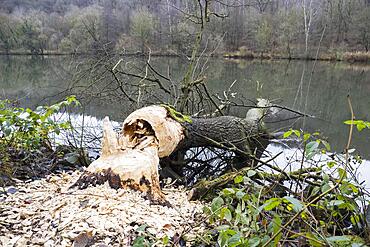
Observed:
{"x":325,"y":192}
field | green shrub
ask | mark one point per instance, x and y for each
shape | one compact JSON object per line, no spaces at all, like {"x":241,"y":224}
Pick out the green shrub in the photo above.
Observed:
{"x":319,"y":207}
{"x":28,"y":129}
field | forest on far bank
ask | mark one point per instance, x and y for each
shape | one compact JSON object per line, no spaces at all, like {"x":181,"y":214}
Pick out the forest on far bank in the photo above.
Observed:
{"x":167,"y":27}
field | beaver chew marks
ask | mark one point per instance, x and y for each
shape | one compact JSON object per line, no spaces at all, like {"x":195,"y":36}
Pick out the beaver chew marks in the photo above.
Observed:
{"x":131,"y":159}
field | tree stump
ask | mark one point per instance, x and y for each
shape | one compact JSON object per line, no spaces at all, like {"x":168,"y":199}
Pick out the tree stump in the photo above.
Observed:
{"x":131,"y":159}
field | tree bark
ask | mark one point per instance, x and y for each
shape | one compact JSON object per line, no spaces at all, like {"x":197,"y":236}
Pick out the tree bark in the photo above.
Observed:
{"x":131,"y":159}
{"x":241,"y":135}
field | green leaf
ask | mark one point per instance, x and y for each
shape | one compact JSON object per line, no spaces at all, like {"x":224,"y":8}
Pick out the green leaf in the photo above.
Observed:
{"x":165,"y":240}
{"x":313,"y":240}
{"x":361,"y":126}
{"x":311,"y":149}
{"x":297,"y":204}
{"x":142,"y":228}
{"x":222,"y":227}
{"x":72,"y":158}
{"x":335,"y":203}
{"x":235,"y":238}
{"x":139,"y":241}
{"x":355,"y":220}
{"x":326,"y":145}
{"x":240,"y":194}
{"x":226,"y":214}
{"x":331,"y":164}
{"x":228,"y":191}
{"x":351,"y":150}
{"x":254,"y":242}
{"x":354,"y":122}
{"x":207,"y":210}
{"x":271,"y":204}
{"x":217,"y":203}
{"x":312,"y":146}
{"x":287,"y":133}
{"x":342,"y":173}
{"x":238,"y":179}
{"x":276,"y":225}
{"x":325,"y":187}
{"x":251,"y":173}
{"x":326,"y":177}
{"x":306,"y":136}
{"x":7,"y":131}
{"x":339,"y":239}
{"x":297,"y":133}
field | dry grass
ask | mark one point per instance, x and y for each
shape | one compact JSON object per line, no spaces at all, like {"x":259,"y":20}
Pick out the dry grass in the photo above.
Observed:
{"x":362,"y":57}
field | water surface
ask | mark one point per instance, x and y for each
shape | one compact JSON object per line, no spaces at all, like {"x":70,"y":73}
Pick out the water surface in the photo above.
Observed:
{"x":319,"y":90}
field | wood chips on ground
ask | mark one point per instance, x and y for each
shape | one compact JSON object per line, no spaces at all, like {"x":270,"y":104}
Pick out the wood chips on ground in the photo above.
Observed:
{"x":45,"y":212}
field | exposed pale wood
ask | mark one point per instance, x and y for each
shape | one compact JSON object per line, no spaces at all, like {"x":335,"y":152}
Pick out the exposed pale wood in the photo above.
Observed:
{"x":131,"y":159}
{"x":167,"y":131}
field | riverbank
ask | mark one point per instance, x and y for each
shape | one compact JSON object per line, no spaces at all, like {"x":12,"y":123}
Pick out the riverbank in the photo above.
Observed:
{"x":350,"y":57}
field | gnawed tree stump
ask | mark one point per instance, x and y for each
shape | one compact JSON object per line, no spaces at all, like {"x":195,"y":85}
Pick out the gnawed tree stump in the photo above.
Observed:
{"x":131,"y":159}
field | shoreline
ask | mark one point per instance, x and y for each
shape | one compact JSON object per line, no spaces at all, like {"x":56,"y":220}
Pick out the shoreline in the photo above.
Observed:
{"x":350,"y":57}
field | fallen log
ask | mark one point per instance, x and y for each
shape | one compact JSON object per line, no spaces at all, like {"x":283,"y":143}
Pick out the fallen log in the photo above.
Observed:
{"x":131,"y":159}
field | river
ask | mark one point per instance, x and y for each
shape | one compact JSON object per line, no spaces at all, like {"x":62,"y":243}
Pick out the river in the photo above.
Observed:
{"x":320,"y":90}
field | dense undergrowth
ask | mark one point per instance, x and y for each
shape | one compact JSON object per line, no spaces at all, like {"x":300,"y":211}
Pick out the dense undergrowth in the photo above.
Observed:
{"x":26,"y":150}
{"x":320,"y":204}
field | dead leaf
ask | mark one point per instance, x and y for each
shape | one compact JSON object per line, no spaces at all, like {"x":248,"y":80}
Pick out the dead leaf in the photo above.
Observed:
{"x":82,"y":239}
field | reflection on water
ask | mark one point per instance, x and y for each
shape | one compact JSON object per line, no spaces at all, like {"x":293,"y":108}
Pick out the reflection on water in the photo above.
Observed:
{"x":320,"y":92}
{"x":290,"y":159}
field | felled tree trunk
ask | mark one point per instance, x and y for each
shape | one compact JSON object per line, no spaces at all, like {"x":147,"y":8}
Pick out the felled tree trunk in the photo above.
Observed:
{"x":131,"y":158}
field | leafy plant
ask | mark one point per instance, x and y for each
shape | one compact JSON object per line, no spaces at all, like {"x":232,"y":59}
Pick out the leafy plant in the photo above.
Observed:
{"x":360,"y":124}
{"x":29,"y":129}
{"x":312,"y":143}
{"x":145,"y":238}
{"x":259,"y":209}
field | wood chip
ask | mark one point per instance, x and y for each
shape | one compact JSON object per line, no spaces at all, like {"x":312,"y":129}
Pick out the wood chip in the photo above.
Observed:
{"x":39,"y":214}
